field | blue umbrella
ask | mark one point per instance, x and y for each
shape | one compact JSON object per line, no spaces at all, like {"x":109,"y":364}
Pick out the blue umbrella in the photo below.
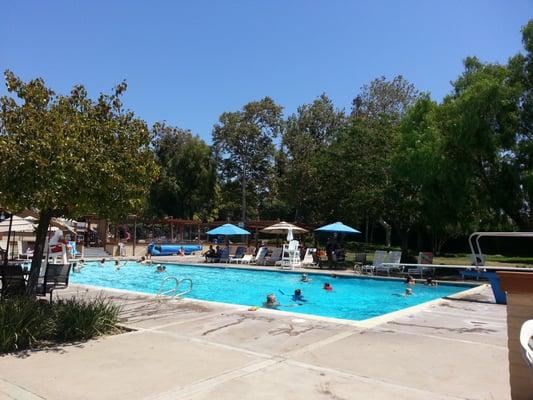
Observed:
{"x":337,"y":227}
{"x":227,"y":230}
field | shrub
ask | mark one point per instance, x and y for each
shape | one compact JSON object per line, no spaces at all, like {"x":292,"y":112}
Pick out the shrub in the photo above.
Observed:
{"x":83,"y":319}
{"x":26,"y":322}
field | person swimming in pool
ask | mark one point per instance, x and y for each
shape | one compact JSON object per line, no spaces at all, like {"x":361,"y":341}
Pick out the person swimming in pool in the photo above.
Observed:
{"x":271,"y":301}
{"x":328,"y":287}
{"x":160,"y":268}
{"x":408,"y":292}
{"x":117,"y":265}
{"x":409,"y":280}
{"x":304,"y":278}
{"x":297,"y":296}
{"x":102,"y":263}
{"x":431,"y":282}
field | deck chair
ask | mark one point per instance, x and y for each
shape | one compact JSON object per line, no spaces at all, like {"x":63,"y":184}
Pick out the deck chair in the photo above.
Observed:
{"x":423,"y":258}
{"x":526,"y":335}
{"x":309,"y":260}
{"x":13,"y":282}
{"x":239,"y":253}
{"x":224,"y":255}
{"x":274,"y":257}
{"x":260,"y":257}
{"x":379,"y":258}
{"x":394,"y":257}
{"x":55,"y":278}
{"x":246,"y":259}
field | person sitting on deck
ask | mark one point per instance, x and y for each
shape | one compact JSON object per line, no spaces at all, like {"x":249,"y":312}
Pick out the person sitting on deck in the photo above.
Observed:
{"x":181,"y":252}
{"x":209,"y":253}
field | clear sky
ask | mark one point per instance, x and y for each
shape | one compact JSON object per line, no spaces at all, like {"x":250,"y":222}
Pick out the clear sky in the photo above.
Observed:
{"x":187,"y":62}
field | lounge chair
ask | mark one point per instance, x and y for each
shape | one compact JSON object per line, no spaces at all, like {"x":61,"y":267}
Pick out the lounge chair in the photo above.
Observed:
{"x":359,"y":261}
{"x":526,"y":335}
{"x":379,"y":258}
{"x":239,"y":253}
{"x":55,"y":278}
{"x":423,"y":258}
{"x":274,"y":257}
{"x":392,"y":262}
{"x":224,"y":255}
{"x":260,"y":257}
{"x":309,"y":260}
{"x":246,"y":259}
{"x":13,"y":282}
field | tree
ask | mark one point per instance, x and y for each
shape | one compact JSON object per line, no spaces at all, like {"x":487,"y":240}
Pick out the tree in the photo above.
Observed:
{"x":187,"y":186}
{"x":381,"y":106}
{"x":67,"y":155}
{"x":244,"y":147}
{"x":313,"y":128}
{"x":484,"y":139}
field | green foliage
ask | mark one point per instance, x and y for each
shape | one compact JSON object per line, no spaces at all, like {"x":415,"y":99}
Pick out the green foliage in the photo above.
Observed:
{"x":69,"y":155}
{"x":82,"y":319}
{"x":314,"y":127}
{"x":244,"y":147}
{"x":187,"y":186}
{"x":27,"y":323}
{"x":24,"y":322}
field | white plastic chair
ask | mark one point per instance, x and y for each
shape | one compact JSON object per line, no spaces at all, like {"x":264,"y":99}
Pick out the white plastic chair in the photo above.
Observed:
{"x":377,"y":261}
{"x":260,"y":257}
{"x":394,"y":257}
{"x":308,"y":258}
{"x":246,"y":259}
{"x":274,"y":257}
{"x":526,"y":334}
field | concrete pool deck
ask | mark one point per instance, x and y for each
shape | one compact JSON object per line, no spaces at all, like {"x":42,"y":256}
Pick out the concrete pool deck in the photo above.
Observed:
{"x":451,"y":349}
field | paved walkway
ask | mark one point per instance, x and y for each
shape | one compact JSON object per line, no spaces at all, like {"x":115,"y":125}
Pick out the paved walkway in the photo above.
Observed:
{"x":190,"y":350}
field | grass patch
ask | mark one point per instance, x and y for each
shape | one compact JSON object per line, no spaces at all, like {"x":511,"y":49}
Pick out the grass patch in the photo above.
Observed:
{"x":28,"y":323}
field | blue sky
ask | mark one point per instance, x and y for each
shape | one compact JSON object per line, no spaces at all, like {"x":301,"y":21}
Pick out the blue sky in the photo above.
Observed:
{"x":187,"y":62}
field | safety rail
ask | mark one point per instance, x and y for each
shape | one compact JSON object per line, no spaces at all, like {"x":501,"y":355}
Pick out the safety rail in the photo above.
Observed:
{"x":173,"y":292}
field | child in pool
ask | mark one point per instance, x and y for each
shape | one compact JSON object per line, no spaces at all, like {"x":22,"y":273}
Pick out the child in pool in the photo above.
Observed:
{"x":297,"y":296}
{"x":328,"y":287}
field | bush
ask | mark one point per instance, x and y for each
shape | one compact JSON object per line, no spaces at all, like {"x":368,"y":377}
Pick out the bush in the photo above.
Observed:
{"x":26,"y":322}
{"x":83,"y":319}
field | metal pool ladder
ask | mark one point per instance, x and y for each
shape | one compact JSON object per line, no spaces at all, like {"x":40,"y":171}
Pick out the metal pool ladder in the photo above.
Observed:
{"x":173,"y":292}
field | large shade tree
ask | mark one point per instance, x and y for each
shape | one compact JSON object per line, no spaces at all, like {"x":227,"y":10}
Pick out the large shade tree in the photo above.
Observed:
{"x":187,"y":186}
{"x":69,"y":155}
{"x":244,"y":146}
{"x":308,"y":132}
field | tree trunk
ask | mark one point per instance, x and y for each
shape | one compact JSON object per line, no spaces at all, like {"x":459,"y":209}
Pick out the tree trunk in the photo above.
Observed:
{"x":243,"y":200}
{"x":388,"y":231}
{"x":41,"y":234}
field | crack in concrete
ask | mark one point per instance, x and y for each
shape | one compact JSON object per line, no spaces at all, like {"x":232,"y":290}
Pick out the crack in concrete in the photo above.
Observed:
{"x":239,"y":321}
{"x":444,"y":328}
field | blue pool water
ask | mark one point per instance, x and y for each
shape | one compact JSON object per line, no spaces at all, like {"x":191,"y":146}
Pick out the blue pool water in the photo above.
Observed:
{"x":351,"y":298}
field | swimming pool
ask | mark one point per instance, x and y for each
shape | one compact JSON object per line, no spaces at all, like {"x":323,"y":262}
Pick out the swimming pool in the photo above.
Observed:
{"x":352,"y":298}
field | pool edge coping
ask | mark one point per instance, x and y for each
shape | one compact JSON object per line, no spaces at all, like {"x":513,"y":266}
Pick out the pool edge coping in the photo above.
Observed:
{"x":366,"y":323}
